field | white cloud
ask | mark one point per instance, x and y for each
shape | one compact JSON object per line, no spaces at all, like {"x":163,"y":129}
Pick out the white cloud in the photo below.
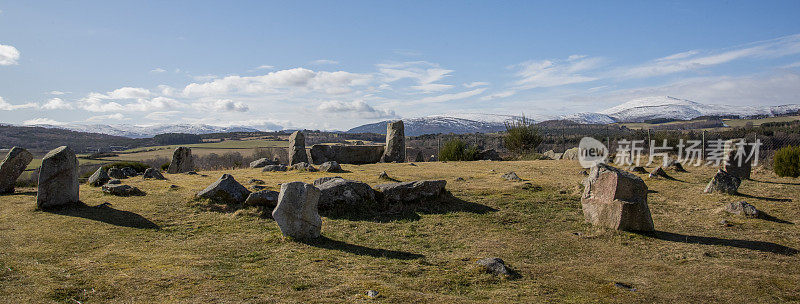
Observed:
{"x":58,"y":93}
{"x":158,"y":70}
{"x":42,"y":121}
{"x":207,"y":77}
{"x":57,"y":104}
{"x":548,"y":73}
{"x":8,"y":55}
{"x":5,"y":106}
{"x":424,"y":73}
{"x":228,"y":105}
{"x":696,"y":59}
{"x":279,"y":81}
{"x":324,"y":61}
{"x":476,"y":84}
{"x":97,"y":102}
{"x":129,"y":93}
{"x":356,"y":109}
{"x":265,"y":67}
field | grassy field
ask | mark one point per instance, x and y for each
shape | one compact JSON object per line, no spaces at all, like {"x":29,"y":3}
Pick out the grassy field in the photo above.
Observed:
{"x":167,"y":248}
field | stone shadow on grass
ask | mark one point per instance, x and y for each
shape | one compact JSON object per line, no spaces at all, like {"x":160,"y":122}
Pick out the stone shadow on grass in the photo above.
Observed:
{"x":380,"y":211}
{"x":106,"y":214}
{"x":29,"y":193}
{"x":328,"y":243}
{"x":769,"y":199}
{"x":765,"y":216}
{"x":706,"y":240}
{"x":776,"y":183}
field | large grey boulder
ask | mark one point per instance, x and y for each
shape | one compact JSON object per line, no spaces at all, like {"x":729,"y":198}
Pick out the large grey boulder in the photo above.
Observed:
{"x":723,"y":182}
{"x":99,"y":178}
{"x":297,"y":148}
{"x":735,"y":162}
{"x":570,"y":154}
{"x":616,"y":199}
{"x":296,"y":212}
{"x":129,"y":172}
{"x":395,"y":149}
{"x":338,"y":191}
{"x":265,"y":198}
{"x":58,"y":179}
{"x":116,"y":173}
{"x":322,"y":153}
{"x":122,"y":190}
{"x":274,"y":168}
{"x":412,"y":192}
{"x":12,"y":167}
{"x":225,"y":190}
{"x":260,"y":163}
{"x":330,"y":166}
{"x":153,"y":173}
{"x":181,"y":161}
{"x":550,"y":154}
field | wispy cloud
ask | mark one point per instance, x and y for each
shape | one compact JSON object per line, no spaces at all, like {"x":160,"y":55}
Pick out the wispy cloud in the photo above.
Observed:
{"x":158,"y":70}
{"x":324,"y":62}
{"x":476,"y":84}
{"x":5,"y":106}
{"x":356,"y":108}
{"x":424,"y":73}
{"x":552,"y":73}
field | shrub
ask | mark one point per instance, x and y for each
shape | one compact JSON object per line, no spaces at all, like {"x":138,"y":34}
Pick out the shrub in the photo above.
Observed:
{"x":139,"y":167}
{"x":521,"y":136}
{"x":457,"y":150}
{"x":787,"y":161}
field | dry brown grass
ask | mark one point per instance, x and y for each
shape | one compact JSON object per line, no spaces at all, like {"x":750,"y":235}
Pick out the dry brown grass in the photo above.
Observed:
{"x":115,"y":255}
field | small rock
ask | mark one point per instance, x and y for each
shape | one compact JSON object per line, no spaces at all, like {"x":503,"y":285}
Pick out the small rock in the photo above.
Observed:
{"x":511,"y":176}
{"x":153,"y":173}
{"x":122,"y":190}
{"x":659,"y":172}
{"x":303,"y":166}
{"x":225,"y":190}
{"x":459,"y":179}
{"x":174,"y":186}
{"x":725,"y":223}
{"x":260,"y":163}
{"x":330,"y":166}
{"x":274,"y":168}
{"x":266,"y":198}
{"x":191,"y":173}
{"x":385,"y":176}
{"x":723,"y":182}
{"x":624,"y":286}
{"x":494,"y":266}
{"x":639,"y":169}
{"x":412,"y":164}
{"x":742,"y":208}
{"x":254,"y":181}
{"x":114,"y":181}
{"x":372,"y":293}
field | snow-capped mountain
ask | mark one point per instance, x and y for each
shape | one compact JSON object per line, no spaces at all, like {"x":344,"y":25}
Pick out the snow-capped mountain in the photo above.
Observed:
{"x":667,"y":107}
{"x":435,"y":124}
{"x":137,"y":131}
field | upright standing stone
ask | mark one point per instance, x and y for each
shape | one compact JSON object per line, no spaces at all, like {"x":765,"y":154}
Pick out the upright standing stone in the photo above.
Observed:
{"x":296,"y":212}
{"x":10,"y":169}
{"x":181,"y":161}
{"x":297,"y":148}
{"x":58,"y":179}
{"x":735,"y":162}
{"x":395,"y":150}
{"x":616,"y":199}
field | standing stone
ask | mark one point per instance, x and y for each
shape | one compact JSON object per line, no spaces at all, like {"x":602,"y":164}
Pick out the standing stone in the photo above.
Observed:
{"x":10,"y":169}
{"x":735,"y":162}
{"x":616,"y":199}
{"x":297,"y":148}
{"x":723,"y":182}
{"x":181,"y":161}
{"x":58,"y":179}
{"x":395,"y":150}
{"x":99,"y":178}
{"x":296,"y":212}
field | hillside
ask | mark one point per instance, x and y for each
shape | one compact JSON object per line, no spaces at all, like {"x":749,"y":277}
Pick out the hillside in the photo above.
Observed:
{"x":434,"y":125}
{"x":41,"y":138}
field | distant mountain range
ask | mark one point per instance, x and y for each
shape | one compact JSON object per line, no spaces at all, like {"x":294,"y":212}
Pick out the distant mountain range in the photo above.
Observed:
{"x":637,"y":110}
{"x":134,"y":131}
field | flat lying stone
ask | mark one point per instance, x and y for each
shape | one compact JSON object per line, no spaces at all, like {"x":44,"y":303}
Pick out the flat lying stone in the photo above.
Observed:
{"x":410,"y":192}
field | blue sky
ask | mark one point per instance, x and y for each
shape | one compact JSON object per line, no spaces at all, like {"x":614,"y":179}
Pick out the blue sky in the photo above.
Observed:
{"x":339,"y":64}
